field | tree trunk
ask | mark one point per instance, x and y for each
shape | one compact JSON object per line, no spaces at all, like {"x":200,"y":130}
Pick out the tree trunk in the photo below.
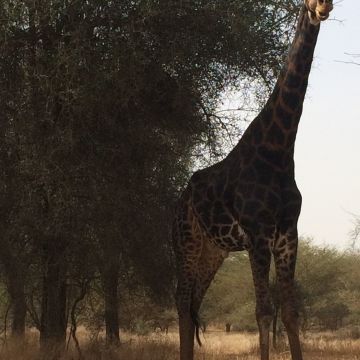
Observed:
{"x":15,"y":285}
{"x":204,"y":327}
{"x":18,"y":307}
{"x":53,"y":307}
{"x":275,"y":319}
{"x":110,"y":283}
{"x":227,"y":327}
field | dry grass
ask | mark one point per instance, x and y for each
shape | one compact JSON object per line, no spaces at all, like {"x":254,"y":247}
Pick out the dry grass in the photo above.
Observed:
{"x":216,"y":346}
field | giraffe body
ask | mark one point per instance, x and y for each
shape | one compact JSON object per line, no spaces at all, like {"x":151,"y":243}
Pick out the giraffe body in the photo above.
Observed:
{"x":250,"y":201}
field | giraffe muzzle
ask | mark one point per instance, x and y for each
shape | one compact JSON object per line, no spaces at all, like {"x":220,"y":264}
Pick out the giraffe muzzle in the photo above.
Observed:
{"x":319,"y":9}
{"x":323,"y":9}
{"x":322,"y":15}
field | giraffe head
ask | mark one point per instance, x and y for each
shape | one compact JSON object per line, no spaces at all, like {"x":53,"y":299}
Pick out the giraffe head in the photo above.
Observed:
{"x":318,"y":10}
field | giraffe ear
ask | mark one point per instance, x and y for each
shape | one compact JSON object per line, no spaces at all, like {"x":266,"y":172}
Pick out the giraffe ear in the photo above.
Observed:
{"x":313,"y":19}
{"x":311,"y":5}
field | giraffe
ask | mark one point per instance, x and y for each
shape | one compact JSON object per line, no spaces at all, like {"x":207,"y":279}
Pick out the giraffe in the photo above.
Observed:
{"x":250,"y":201}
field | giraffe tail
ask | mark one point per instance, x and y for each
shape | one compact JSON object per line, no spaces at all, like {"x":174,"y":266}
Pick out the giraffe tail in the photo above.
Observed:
{"x":196,"y":320}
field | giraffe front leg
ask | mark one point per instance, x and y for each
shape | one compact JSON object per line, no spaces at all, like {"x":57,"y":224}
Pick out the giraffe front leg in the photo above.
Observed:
{"x":260,"y":265}
{"x":285,"y":251}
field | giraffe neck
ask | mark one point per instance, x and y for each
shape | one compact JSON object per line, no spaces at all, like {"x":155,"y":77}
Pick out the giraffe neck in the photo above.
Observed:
{"x":277,"y":123}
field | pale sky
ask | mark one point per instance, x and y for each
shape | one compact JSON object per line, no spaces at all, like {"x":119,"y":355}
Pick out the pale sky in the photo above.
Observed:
{"x":327,"y":154}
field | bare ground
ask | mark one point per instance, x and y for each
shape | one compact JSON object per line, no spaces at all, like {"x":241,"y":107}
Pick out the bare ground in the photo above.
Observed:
{"x":216,"y":346}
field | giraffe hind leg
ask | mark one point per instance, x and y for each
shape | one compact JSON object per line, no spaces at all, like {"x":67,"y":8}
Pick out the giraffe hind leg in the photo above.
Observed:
{"x":210,"y":260}
{"x":195,"y":273}
{"x":186,"y":325}
{"x":197,"y":323}
{"x":187,"y":246}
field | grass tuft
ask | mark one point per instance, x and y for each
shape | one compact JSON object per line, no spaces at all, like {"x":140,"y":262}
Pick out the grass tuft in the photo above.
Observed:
{"x":216,"y":346}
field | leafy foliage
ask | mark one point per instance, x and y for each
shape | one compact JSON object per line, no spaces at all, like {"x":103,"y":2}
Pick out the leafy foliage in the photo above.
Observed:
{"x":327,"y":285}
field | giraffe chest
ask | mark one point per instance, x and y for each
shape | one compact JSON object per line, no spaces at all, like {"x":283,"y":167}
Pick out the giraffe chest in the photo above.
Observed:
{"x":232,"y":221}
{"x":221,"y":227}
{"x":228,"y":237}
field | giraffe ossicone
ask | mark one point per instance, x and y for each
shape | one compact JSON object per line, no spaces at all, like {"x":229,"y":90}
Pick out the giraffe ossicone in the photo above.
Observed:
{"x":250,"y":201}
